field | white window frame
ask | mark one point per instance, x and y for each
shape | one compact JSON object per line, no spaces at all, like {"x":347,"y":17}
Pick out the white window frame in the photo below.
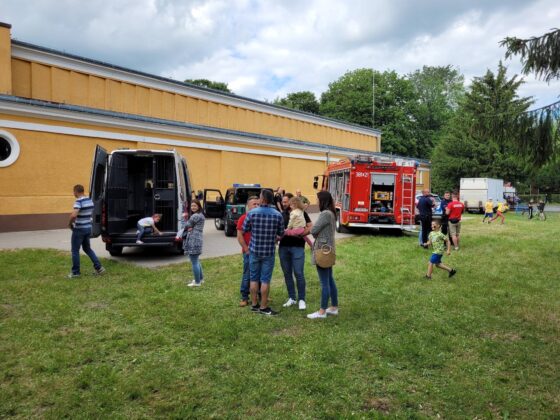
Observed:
{"x":10,"y":138}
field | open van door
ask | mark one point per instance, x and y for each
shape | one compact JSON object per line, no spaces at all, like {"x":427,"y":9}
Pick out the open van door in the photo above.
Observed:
{"x":96,"y":187}
{"x":214,"y":205}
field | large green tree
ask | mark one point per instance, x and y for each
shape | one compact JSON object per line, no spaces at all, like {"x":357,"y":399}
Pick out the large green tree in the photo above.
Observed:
{"x":302,"y":101}
{"x":351,"y":99}
{"x":209,"y":84}
{"x":482,"y":136}
{"x":438,"y":90}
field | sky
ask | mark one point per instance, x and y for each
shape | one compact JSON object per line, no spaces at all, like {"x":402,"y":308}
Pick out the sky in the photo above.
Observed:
{"x":265,"y":49}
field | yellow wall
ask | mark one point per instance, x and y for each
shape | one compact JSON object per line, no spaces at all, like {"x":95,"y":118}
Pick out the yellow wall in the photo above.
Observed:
{"x":49,"y":165}
{"x":49,"y":83}
{"x":5,"y":57}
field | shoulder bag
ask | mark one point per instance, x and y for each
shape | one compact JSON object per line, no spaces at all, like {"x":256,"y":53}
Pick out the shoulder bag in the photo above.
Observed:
{"x":324,"y":256}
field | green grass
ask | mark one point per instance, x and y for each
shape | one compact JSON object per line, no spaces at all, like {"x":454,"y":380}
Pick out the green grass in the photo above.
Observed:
{"x":138,"y":343}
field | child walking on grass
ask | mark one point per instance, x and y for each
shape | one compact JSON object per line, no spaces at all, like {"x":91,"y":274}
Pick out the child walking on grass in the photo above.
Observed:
{"x":296,"y":224}
{"x":438,"y":241}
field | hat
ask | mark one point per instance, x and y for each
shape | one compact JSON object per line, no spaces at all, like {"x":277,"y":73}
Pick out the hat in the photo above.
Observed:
{"x":490,"y":198}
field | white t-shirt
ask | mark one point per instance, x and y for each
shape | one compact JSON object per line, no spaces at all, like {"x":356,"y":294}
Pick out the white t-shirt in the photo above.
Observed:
{"x":146,"y":221}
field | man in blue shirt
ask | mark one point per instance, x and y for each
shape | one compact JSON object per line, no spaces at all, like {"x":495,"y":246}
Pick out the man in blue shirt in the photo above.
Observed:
{"x":80,"y":223}
{"x":444,"y":219}
{"x":424,"y":206}
{"x":266,"y":225}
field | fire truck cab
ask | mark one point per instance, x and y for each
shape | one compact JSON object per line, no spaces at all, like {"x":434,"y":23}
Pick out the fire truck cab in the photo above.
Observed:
{"x":372,"y":192}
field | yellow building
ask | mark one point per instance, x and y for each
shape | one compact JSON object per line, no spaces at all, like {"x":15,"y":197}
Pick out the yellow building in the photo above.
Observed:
{"x":56,"y":107}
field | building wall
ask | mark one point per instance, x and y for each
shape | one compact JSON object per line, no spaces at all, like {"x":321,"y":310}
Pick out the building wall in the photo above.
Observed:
{"x":51,"y":83}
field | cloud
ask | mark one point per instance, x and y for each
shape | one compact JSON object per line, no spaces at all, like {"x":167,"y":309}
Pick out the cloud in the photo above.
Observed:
{"x":265,"y":49}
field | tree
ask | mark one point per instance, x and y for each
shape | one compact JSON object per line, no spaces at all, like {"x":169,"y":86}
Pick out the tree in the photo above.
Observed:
{"x":302,"y":101}
{"x":539,"y":55}
{"x":438,"y":90}
{"x":350,"y":98}
{"x":482,"y":136}
{"x":209,"y":84}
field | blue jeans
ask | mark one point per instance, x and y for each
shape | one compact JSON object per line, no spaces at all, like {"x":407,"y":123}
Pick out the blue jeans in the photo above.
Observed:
{"x":292,"y":259}
{"x":328,"y":287}
{"x":80,"y":238}
{"x":244,"y":289}
{"x":142,"y":230}
{"x":196,"y":268}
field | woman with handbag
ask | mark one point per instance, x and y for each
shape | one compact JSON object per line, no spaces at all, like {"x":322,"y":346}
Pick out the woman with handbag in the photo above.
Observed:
{"x":192,"y":241}
{"x":324,"y":255}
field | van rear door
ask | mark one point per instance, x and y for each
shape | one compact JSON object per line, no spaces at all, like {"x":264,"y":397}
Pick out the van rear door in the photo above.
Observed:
{"x":96,"y":187}
{"x":214,"y":205}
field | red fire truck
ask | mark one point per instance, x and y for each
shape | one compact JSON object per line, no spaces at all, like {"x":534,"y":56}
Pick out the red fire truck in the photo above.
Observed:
{"x":372,"y":192}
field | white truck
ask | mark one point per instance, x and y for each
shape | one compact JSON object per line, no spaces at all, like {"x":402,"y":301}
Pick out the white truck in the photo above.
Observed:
{"x":475,"y":192}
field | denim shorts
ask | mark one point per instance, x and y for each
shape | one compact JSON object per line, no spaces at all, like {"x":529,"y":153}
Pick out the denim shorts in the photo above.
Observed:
{"x":436,"y":258}
{"x":261,"y":268}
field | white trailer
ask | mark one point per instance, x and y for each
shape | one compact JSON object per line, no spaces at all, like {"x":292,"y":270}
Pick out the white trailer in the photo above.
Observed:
{"x":475,"y":192}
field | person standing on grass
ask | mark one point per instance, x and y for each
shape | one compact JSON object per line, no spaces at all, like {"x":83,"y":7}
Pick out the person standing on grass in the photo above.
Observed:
{"x":488,"y":211}
{"x":291,"y":252}
{"x":80,"y":224}
{"x":192,"y":234}
{"x":454,"y":212}
{"x":424,"y":206}
{"x":438,"y":241}
{"x":502,"y":208}
{"x":324,"y":233}
{"x":444,"y":202}
{"x":244,"y":239}
{"x":266,"y":225}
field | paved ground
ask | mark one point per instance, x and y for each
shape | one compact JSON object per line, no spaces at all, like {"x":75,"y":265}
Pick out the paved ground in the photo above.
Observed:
{"x":216,"y":244}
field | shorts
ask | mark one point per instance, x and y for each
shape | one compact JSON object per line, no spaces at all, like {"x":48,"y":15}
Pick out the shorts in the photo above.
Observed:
{"x":454,"y":229}
{"x":260,"y":268}
{"x":436,"y":258}
{"x":488,"y":214}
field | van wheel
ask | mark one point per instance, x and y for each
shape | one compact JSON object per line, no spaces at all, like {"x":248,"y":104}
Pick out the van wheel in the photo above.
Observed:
{"x":115,"y":251}
{"x":219,"y":224}
{"x":230,"y":229}
{"x":340,"y":228}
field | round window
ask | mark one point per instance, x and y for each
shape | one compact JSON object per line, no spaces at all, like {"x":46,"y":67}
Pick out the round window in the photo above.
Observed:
{"x":9,"y":149}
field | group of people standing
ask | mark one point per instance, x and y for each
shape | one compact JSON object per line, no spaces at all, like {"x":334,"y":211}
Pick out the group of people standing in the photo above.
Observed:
{"x":259,"y":230}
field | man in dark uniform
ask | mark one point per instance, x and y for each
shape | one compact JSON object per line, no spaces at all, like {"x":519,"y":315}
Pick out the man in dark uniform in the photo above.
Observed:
{"x":444,"y":218}
{"x":424,"y":206}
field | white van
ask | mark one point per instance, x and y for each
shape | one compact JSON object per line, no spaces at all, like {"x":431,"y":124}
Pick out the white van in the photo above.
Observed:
{"x":475,"y":192}
{"x":127,"y":185}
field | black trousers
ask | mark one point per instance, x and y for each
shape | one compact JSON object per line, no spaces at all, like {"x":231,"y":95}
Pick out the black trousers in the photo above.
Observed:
{"x":444,"y":224}
{"x":426,"y":223}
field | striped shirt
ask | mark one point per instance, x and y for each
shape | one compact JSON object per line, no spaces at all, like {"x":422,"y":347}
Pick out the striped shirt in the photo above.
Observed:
{"x":265,"y":224}
{"x":85,"y":207}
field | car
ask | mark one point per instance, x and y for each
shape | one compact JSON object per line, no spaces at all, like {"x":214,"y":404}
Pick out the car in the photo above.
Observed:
{"x":226,"y":212}
{"x":436,"y":211}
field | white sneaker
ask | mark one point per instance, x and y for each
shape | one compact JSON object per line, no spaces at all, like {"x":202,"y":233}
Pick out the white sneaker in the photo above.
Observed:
{"x":140,"y":242}
{"x":194,"y":284}
{"x":302,"y":305}
{"x":289,"y":303}
{"x":456,"y":248}
{"x":330,"y":311}
{"x":316,"y":315}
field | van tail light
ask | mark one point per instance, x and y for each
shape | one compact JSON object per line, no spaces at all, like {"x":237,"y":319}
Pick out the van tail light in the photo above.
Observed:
{"x":103,"y":217}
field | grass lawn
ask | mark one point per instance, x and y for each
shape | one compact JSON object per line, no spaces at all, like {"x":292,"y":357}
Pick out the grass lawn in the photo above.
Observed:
{"x":137,"y":343}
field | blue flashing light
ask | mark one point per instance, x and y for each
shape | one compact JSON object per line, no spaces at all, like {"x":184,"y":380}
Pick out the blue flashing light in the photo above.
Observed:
{"x":247,"y":185}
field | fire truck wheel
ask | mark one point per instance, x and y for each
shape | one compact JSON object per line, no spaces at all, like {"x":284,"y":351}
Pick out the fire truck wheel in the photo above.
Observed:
{"x":340,"y":228}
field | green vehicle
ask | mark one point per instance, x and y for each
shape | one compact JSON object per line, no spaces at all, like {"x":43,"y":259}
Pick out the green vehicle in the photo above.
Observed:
{"x":227,"y":211}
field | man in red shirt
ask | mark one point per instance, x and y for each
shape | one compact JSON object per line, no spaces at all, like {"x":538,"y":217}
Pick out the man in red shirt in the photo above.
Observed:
{"x":454,"y":212}
{"x":244,"y":238}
